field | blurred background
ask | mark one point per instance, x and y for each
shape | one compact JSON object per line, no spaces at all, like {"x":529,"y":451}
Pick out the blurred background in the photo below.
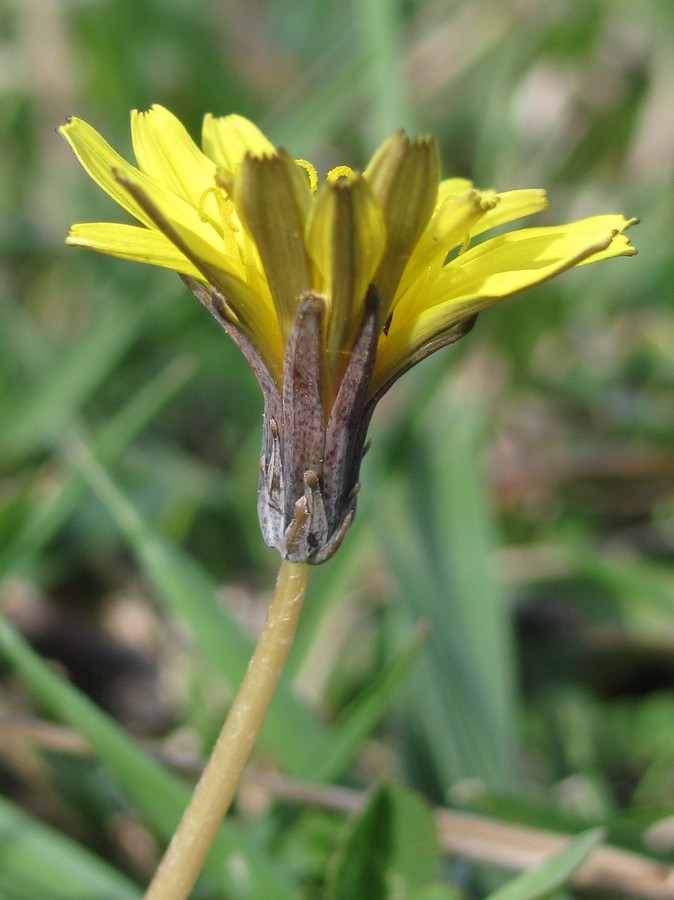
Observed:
{"x":518,"y":499}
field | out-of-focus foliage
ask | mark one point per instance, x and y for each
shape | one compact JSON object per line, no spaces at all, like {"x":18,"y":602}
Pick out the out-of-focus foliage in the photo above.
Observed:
{"x":518,"y":499}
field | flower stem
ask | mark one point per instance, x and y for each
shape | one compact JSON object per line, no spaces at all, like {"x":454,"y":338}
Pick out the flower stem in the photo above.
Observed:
{"x":185,"y":855}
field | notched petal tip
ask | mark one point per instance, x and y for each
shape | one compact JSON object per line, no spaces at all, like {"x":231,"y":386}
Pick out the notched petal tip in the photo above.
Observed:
{"x":264,"y":156}
{"x":226,"y":139}
{"x":312,"y":302}
{"x":487,"y":200}
{"x":62,"y":128}
{"x":629,"y":249}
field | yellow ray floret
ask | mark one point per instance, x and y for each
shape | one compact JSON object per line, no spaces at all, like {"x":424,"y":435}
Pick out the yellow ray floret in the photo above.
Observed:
{"x":261,"y":231}
{"x":331,"y":287}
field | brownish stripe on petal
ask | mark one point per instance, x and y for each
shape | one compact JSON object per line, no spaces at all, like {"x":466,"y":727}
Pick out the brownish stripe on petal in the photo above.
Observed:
{"x":348,"y":421}
{"x":346,"y":238}
{"x":272,"y":198}
{"x":303,"y":419}
{"x":404,"y":175}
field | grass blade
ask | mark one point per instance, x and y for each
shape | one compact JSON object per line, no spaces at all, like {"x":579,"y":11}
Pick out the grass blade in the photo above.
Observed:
{"x":440,"y":539}
{"x":541,"y":881}
{"x":190,"y":593}
{"x":331,"y":756}
{"x":37,"y":861}
{"x":159,"y":796}
{"x":41,"y":525}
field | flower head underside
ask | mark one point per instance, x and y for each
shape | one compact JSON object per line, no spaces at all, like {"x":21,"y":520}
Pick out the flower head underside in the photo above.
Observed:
{"x":332,"y":288}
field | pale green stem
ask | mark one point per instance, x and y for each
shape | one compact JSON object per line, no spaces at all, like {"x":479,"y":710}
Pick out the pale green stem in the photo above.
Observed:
{"x":185,"y":855}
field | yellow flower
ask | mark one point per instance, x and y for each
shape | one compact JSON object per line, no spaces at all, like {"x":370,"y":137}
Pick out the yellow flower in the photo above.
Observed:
{"x":332,"y":290}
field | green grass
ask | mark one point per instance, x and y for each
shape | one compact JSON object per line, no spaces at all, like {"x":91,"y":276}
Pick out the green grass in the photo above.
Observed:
{"x":518,"y":499}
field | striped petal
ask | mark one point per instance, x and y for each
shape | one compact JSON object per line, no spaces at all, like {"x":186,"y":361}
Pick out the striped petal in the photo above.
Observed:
{"x":498,"y":268}
{"x":100,"y":161}
{"x":404,"y":176}
{"x":451,"y":226}
{"x":174,"y":217}
{"x":272,"y":198}
{"x":132,"y":242}
{"x":346,"y":238}
{"x":165,"y":151}
{"x":227,"y":139}
{"x":511,"y":205}
{"x":519,"y":259}
{"x":110,"y":171}
{"x":251,"y":308}
{"x":450,"y":188}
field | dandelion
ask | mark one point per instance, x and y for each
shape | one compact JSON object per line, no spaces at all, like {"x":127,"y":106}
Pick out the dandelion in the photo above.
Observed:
{"x":332,"y":288}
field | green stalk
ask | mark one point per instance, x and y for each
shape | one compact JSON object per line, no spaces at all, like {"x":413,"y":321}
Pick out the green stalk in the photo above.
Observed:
{"x":213,"y":795}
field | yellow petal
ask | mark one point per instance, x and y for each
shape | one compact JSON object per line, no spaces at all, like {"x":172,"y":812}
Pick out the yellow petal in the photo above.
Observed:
{"x":99,"y":160}
{"x":404,"y":176}
{"x":272,"y":197}
{"x":165,"y":151}
{"x":224,"y":273}
{"x":173,"y":216}
{"x":511,"y":205}
{"x":346,"y":239}
{"x":498,"y":268}
{"x":450,"y":227}
{"x":620,"y":243}
{"x":227,"y":139}
{"x":450,"y":188}
{"x":139,"y":244}
{"x":132,"y":242}
{"x":109,"y":170}
{"x":519,"y":259}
